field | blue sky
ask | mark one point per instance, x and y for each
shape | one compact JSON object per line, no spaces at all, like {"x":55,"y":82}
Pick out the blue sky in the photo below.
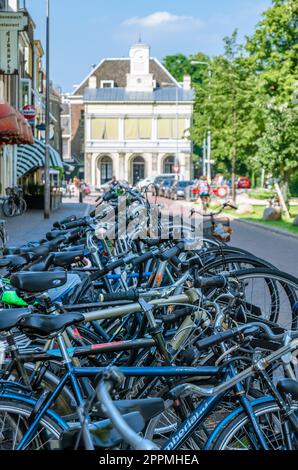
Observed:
{"x":83,"y":32}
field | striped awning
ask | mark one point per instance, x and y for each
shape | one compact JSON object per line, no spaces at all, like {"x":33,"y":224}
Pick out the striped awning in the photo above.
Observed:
{"x":33,"y":156}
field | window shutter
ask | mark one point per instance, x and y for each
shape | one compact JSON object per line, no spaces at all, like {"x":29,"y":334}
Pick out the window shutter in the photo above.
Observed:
{"x":131,"y":129}
{"x":111,"y":129}
{"x":164,"y":128}
{"x":97,"y":129}
{"x":145,"y":128}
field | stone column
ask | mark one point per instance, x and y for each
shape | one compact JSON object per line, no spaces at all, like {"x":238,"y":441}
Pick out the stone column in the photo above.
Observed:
{"x":88,"y":169}
{"x":94,"y":170}
{"x":154,"y":164}
{"x":120,"y":170}
{"x":182,"y":163}
{"x":127,"y":172}
{"x":187,"y":165}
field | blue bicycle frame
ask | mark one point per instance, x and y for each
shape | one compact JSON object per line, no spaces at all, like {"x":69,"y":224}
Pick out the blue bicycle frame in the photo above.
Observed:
{"x":188,"y":426}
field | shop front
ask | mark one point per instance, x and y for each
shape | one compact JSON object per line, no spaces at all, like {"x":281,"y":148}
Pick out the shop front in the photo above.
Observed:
{"x":14,"y":130}
{"x":30,"y":174}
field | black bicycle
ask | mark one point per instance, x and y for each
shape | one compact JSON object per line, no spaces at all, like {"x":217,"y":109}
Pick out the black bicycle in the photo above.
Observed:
{"x":14,"y":204}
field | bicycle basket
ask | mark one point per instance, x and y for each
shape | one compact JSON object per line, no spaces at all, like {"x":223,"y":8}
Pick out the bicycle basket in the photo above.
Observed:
{"x":219,"y":228}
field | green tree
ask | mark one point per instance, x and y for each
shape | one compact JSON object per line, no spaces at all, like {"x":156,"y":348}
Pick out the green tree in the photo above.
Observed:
{"x":273,"y":58}
{"x":224,"y":105}
{"x":179,"y":65}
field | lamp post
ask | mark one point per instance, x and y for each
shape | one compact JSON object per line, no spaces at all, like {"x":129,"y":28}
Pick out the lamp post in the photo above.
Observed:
{"x":47,"y":188}
{"x":207,"y":144}
{"x":177,"y":121}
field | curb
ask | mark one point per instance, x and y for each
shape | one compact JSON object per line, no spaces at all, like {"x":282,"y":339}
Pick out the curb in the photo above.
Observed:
{"x":264,"y":227}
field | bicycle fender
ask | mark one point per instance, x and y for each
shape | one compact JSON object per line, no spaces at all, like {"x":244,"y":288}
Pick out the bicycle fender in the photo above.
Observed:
{"x":232,"y":416}
{"x":30,"y":401}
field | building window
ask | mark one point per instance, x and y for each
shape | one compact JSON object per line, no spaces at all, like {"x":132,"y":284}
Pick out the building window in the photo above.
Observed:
{"x":105,"y":129}
{"x":167,"y":128}
{"x":106,"y":169}
{"x":65,"y":124}
{"x":107,"y":84}
{"x":3,"y":5}
{"x":136,"y":129}
{"x":65,"y":149}
{"x":26,"y":85}
{"x":168,"y":164}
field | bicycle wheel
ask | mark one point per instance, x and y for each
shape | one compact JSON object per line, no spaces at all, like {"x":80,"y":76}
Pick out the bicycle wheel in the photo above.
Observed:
{"x":22,"y":206}
{"x":9,"y":207}
{"x":238,"y":435}
{"x":270,"y":292}
{"x":14,"y":422}
{"x":231,"y":263}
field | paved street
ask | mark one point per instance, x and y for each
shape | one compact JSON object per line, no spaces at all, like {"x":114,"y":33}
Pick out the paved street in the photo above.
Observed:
{"x":280,"y":250}
{"x":32,"y":226}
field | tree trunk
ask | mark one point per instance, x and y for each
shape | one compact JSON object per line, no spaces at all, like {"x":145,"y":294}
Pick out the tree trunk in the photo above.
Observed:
{"x":234,"y":154}
{"x":234,"y":173}
{"x":285,"y":190}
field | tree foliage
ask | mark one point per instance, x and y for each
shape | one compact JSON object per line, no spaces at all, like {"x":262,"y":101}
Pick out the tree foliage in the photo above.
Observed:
{"x":250,"y":102}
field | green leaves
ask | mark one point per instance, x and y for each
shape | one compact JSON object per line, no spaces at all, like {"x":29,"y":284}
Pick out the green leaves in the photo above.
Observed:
{"x":251,"y":100}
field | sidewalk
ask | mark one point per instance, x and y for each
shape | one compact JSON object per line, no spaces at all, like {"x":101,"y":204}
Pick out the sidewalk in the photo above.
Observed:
{"x":32,"y":225}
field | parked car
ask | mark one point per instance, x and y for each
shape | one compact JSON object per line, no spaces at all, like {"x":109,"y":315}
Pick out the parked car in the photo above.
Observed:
{"x":158,"y":181}
{"x":165,"y":186}
{"x":243,"y":182}
{"x":178,"y":189}
{"x":146,"y":182}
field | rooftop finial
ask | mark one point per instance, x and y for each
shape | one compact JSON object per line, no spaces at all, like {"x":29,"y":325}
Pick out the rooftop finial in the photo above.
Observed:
{"x":140,"y":38}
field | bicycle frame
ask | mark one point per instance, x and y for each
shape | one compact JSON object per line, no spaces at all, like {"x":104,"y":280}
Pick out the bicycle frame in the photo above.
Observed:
{"x":74,"y":373}
{"x":187,"y":428}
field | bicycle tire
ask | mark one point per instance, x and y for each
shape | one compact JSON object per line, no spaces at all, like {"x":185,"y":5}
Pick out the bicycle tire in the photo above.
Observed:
{"x":18,"y":413}
{"x":22,"y":206}
{"x":288,"y":283}
{"x":8,"y":208}
{"x":229,"y":432}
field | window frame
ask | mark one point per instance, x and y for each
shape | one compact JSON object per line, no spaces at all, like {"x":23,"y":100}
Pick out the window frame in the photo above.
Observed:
{"x":105,"y":82}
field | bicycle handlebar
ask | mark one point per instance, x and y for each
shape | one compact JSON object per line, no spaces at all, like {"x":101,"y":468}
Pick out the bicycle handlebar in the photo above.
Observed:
{"x":212,"y":281}
{"x":75,"y":224}
{"x":129,"y":435}
{"x":130,"y":295}
{"x":250,"y":328}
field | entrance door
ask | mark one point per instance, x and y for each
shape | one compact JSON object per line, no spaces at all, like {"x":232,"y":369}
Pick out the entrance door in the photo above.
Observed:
{"x":106,"y":170}
{"x":138,"y":170}
{"x":168,"y":166}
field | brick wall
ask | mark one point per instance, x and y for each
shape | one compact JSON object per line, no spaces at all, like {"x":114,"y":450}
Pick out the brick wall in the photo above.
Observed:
{"x":77,"y":130}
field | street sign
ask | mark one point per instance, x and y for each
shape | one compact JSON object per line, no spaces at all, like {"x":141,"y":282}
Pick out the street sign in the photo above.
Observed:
{"x":42,"y":129}
{"x":29,"y":112}
{"x":222,"y":191}
{"x":11,"y":23}
{"x":176,"y":168}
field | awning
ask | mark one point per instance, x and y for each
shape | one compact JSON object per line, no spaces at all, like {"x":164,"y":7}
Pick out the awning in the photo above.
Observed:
{"x":14,"y":128}
{"x":33,"y":156}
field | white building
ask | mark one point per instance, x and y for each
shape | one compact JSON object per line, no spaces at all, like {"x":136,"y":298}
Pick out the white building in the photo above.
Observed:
{"x":135,"y":118}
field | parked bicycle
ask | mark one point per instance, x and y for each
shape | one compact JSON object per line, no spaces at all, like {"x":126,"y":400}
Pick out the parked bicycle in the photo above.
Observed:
{"x":112,"y":339}
{"x":14,"y":204}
